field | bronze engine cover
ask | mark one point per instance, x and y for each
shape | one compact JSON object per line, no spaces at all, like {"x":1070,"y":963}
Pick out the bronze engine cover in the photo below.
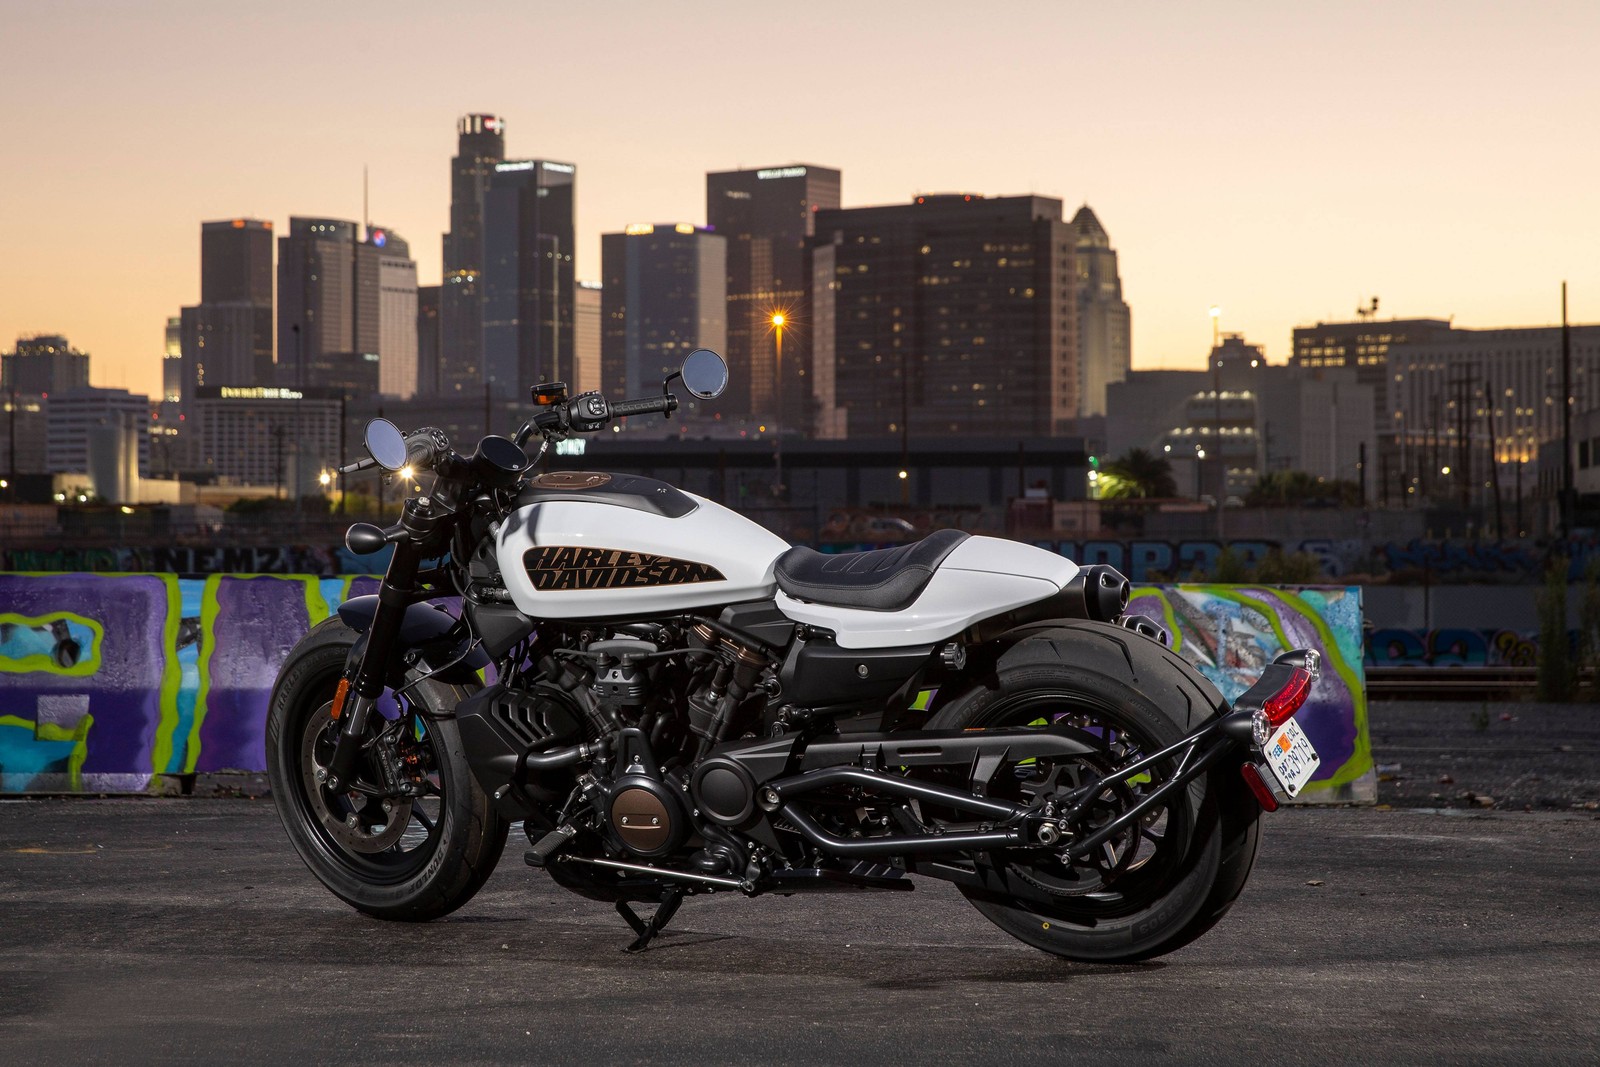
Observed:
{"x":648,"y":818}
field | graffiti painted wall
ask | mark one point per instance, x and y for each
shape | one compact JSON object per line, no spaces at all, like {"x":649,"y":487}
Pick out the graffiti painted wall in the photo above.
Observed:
{"x":108,"y":681}
{"x":1404,"y":647}
{"x":1141,"y":560}
{"x":1231,"y":632}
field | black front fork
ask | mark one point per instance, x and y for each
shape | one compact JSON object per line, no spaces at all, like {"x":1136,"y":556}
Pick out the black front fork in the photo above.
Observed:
{"x":397,"y":593}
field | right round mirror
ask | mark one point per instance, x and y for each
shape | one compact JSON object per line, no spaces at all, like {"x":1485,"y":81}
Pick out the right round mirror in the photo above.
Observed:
{"x":385,"y":444}
{"x":705,"y":374}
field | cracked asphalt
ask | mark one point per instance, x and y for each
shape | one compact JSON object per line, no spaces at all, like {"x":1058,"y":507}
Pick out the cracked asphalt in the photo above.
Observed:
{"x":187,"y":931}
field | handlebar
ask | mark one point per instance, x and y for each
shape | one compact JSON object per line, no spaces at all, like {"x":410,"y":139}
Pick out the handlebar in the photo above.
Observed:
{"x":648,"y":406}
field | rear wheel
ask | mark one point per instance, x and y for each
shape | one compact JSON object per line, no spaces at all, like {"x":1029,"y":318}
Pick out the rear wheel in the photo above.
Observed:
{"x":413,"y":857}
{"x":1166,"y":879}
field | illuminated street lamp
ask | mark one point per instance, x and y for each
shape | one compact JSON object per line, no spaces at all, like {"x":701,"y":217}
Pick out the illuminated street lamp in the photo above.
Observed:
{"x":777,"y":321}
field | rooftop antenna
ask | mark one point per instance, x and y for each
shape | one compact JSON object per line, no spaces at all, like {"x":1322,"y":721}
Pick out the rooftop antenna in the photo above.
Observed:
{"x":1367,"y":312}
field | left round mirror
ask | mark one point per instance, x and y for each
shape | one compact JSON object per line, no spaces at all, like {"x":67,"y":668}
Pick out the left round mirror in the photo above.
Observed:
{"x":705,"y":374}
{"x":385,"y":445}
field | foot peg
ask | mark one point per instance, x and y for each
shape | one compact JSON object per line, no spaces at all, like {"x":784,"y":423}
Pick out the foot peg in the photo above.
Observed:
{"x":648,"y":931}
{"x":549,"y":845}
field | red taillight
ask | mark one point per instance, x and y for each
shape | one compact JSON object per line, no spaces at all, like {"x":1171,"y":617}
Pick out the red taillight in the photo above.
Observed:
{"x":1286,"y":701}
{"x":1252,"y":778}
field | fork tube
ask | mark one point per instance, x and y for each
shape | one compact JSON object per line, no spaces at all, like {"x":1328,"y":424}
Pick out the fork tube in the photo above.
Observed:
{"x":394,"y":597}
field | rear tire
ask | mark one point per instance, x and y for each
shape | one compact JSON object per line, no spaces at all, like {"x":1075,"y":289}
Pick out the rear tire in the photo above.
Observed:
{"x":1131,"y":688}
{"x":441,"y":859}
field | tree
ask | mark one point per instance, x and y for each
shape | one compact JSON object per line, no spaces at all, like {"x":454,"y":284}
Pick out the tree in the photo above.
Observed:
{"x":1137,"y":475}
{"x":1300,"y":489}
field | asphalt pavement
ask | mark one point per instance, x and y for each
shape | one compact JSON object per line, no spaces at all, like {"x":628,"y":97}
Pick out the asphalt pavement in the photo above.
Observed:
{"x":186,"y":930}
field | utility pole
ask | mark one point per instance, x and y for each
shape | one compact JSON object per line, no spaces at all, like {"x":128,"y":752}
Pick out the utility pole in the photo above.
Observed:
{"x":299,"y":439}
{"x":342,"y":452}
{"x":11,"y":454}
{"x":905,"y":415}
{"x":1494,"y":461}
{"x":1566,"y":418}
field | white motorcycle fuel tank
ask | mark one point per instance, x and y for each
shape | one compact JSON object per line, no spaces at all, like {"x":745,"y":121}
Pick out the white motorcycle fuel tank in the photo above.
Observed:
{"x":585,"y":544}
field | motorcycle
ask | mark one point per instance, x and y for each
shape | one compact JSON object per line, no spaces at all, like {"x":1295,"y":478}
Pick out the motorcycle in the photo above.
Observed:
{"x":673,"y":701}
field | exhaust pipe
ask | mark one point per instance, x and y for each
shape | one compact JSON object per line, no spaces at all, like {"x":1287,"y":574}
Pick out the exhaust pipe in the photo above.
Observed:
{"x":1101,"y":590}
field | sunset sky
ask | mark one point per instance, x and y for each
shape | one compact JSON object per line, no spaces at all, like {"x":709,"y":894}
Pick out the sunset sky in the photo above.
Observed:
{"x":1285,"y":161}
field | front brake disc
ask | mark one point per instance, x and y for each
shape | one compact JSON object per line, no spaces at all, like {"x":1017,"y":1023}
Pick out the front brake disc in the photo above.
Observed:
{"x":356,"y":821}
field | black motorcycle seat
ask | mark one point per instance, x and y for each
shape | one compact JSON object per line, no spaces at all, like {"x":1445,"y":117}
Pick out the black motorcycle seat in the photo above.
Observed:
{"x":885,"y":579}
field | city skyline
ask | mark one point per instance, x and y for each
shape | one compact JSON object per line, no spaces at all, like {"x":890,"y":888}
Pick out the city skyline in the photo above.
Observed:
{"x":1286,"y":165}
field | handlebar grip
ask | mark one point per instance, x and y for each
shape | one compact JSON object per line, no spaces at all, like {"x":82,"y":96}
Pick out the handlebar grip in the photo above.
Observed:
{"x":648,"y":406}
{"x":425,"y":446}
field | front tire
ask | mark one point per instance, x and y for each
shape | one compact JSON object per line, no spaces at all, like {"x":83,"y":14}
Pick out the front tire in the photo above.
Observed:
{"x":1197,"y":850}
{"x":414,"y":861}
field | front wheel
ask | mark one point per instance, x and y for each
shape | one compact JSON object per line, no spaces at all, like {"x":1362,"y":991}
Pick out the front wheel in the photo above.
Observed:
{"x":1170,"y":876}
{"x":413,"y":856}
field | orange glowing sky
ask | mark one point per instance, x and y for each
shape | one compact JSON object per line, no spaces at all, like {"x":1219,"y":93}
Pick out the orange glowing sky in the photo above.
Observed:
{"x":1282,"y":160}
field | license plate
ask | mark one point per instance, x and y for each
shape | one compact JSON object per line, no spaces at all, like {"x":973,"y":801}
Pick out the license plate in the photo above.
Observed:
{"x":1291,"y":757}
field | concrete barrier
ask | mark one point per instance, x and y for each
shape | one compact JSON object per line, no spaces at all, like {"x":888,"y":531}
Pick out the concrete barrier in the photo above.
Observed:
{"x":108,"y":682}
{"x":1230,"y":632}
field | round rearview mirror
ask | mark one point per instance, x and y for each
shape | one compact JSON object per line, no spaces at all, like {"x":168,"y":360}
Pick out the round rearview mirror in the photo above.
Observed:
{"x":705,"y":374}
{"x":385,"y":444}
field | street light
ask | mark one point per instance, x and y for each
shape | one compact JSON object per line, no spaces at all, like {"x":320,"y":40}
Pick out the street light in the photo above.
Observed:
{"x":777,"y":321}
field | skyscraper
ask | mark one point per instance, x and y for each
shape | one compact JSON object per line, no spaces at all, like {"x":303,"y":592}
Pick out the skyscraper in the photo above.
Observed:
{"x":768,"y":217}
{"x":236,"y":262}
{"x":586,"y":336}
{"x":952,"y":314}
{"x":428,"y":339}
{"x":481,"y":143}
{"x":1105,"y":347}
{"x":41,"y":366}
{"x":172,"y":361}
{"x":664,"y":295}
{"x":44,"y":364}
{"x":527,"y":279}
{"x":328,"y":301}
{"x":397,"y":313}
{"x":226,"y":339}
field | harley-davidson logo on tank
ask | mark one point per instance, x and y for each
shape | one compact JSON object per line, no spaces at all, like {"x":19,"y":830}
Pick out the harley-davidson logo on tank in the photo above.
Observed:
{"x":557,"y":567}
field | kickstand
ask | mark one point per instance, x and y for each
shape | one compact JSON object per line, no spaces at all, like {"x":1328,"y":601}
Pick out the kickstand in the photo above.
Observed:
{"x":648,"y":931}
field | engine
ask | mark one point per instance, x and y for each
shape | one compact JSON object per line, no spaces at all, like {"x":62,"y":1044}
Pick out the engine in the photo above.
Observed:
{"x":616,"y":727}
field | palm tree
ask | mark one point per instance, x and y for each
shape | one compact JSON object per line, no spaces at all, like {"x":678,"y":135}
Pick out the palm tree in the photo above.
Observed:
{"x":1137,"y":475}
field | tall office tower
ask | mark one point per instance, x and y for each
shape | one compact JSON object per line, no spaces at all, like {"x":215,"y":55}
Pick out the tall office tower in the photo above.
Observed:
{"x":226,"y":339}
{"x":44,"y":364}
{"x":1105,"y":345}
{"x":165,"y":425}
{"x":327,"y":308}
{"x":665,"y":295}
{"x":41,"y":367}
{"x":768,"y":217}
{"x":527,"y":280}
{"x":953,"y":314}
{"x":172,"y":361}
{"x":428,"y":339}
{"x":397,"y":313}
{"x":586,"y":335}
{"x":481,"y":143}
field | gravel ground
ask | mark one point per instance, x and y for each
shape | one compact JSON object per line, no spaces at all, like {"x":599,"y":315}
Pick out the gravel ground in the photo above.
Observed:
{"x":1511,"y":756}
